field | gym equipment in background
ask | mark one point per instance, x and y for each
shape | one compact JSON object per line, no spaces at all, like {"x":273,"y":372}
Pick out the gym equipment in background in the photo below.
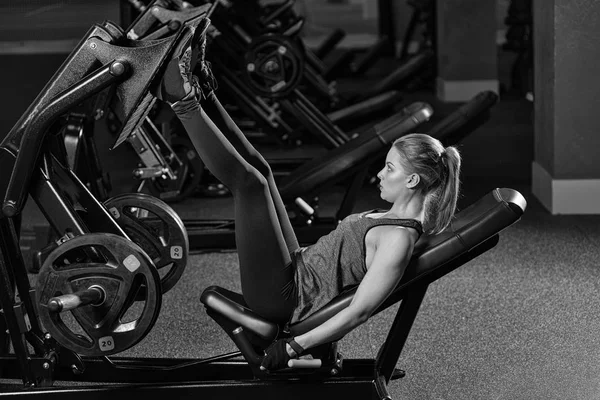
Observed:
{"x":159,"y":17}
{"x":261,"y":75}
{"x":238,"y":38}
{"x":281,"y":18}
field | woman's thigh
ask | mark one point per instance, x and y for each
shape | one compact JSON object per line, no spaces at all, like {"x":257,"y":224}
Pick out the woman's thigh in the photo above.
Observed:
{"x":266,"y":270}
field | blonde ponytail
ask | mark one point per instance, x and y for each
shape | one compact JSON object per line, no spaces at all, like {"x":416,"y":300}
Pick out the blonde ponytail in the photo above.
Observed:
{"x":439,"y":169}
{"x":447,"y":193}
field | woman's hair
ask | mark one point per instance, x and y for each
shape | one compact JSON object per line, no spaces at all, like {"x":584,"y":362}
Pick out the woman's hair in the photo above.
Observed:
{"x":439,"y":172}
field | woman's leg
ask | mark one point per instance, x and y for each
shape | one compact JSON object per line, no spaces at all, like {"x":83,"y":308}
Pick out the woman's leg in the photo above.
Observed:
{"x":266,"y":273}
{"x":217,"y":113}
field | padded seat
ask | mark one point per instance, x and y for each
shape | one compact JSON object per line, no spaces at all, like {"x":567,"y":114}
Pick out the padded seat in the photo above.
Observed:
{"x":232,"y":306}
{"x":432,"y":258}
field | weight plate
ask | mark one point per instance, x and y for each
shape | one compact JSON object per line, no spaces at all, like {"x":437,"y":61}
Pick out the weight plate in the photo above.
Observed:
{"x":273,"y":65}
{"x":189,"y":175}
{"x":119,"y":267}
{"x":155,"y":227}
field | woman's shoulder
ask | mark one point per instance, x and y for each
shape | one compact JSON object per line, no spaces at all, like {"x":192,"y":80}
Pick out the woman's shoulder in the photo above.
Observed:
{"x":393,"y":242}
{"x":392,"y":220}
{"x":403,"y":231}
{"x":375,"y":213}
{"x":397,"y":230}
{"x":357,"y":216}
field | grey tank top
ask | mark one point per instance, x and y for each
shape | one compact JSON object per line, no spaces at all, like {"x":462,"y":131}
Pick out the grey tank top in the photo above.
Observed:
{"x":336,"y":262}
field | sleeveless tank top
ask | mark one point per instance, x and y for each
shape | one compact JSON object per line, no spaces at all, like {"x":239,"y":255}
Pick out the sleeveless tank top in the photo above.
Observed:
{"x":336,"y":262}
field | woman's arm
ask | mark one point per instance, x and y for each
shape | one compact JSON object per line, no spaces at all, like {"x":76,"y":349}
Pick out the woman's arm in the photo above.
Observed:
{"x":391,"y":257}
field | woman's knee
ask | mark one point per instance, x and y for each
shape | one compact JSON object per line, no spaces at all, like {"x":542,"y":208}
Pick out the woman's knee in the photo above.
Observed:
{"x":250,"y":178}
{"x":258,"y":161}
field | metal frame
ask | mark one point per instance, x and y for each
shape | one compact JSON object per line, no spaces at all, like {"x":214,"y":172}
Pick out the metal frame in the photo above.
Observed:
{"x":36,"y":159}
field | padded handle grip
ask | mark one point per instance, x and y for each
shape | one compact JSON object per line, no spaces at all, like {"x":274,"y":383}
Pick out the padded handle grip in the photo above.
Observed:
{"x":304,"y":363}
{"x":304,"y":206}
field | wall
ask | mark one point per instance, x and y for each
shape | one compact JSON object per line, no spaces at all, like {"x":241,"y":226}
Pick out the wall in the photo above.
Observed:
{"x":359,"y":17}
{"x":565,"y":170}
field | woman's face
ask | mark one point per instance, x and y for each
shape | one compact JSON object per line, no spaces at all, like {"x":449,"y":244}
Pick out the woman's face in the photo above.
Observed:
{"x":394,"y":180}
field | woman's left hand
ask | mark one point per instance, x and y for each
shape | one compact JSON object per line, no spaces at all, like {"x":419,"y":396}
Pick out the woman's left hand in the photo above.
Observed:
{"x":276,"y":356}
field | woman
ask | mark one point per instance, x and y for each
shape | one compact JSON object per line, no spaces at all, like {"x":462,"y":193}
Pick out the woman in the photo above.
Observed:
{"x":283,"y":282}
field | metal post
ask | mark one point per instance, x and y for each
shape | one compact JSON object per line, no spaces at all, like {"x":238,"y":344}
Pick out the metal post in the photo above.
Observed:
{"x":8,"y":302}
{"x":390,"y":351}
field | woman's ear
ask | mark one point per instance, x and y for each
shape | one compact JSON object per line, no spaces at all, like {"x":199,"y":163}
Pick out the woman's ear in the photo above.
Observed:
{"x":413,"y":181}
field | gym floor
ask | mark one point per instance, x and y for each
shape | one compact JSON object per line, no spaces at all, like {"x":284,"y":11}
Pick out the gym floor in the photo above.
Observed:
{"x":518,"y":322}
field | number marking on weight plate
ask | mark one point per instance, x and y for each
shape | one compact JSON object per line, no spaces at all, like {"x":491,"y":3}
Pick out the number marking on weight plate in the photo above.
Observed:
{"x":131,"y":263}
{"x":176,"y":252}
{"x":106,"y":343}
{"x":115,"y":213}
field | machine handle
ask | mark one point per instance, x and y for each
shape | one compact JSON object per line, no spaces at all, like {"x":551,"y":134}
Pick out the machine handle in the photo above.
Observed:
{"x":304,"y":206}
{"x":304,"y":363}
